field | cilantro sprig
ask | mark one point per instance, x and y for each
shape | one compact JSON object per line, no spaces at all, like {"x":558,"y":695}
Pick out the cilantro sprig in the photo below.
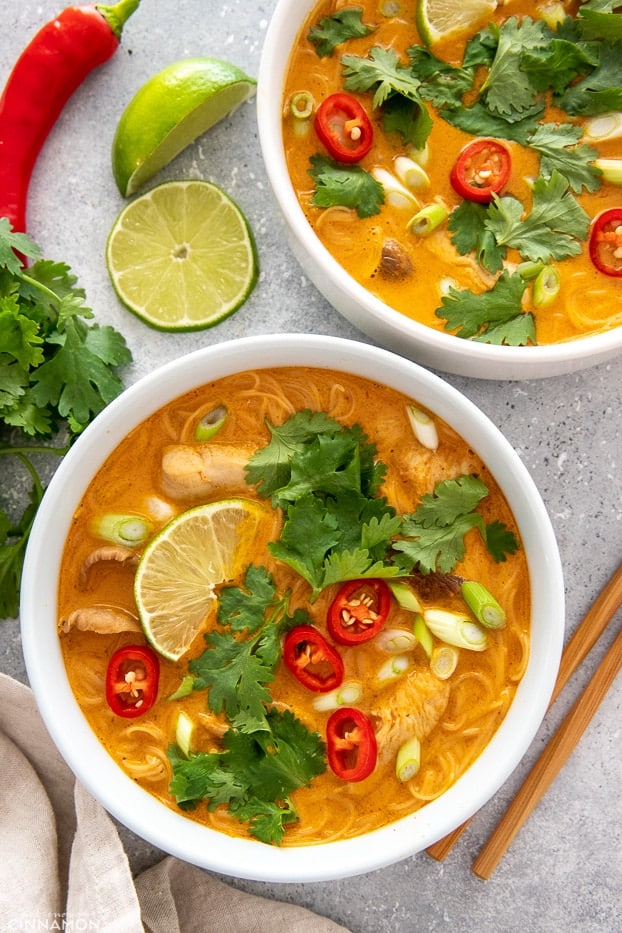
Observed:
{"x":326,"y":478}
{"x":266,"y":753}
{"x":434,"y":534}
{"x":57,"y":371}
{"x":332,"y":31}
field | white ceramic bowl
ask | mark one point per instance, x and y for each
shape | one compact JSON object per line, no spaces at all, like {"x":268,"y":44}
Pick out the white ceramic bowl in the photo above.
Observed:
{"x":171,"y":831}
{"x":388,"y":327}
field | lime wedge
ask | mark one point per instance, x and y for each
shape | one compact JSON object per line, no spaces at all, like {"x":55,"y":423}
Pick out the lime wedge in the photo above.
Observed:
{"x":182,"y":256}
{"x":438,"y":19}
{"x":170,"y":111}
{"x":177,"y":573}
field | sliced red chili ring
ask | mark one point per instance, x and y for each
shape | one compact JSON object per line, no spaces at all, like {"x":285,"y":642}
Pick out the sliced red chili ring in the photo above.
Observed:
{"x":481,"y":170}
{"x":343,"y":126}
{"x":606,"y":241}
{"x":312,"y":661}
{"x":132,"y":680}
{"x":351,"y":744}
{"x":359,"y":611}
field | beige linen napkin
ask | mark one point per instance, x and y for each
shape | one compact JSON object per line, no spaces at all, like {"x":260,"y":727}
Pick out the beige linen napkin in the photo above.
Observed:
{"x":63,"y":865}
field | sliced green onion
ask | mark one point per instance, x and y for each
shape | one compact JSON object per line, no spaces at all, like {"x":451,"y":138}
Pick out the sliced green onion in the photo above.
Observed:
{"x":424,"y":427}
{"x":611,"y":169}
{"x":348,"y":693}
{"x":423,"y":635}
{"x":210,"y":423}
{"x":553,"y":14}
{"x":185,"y":688}
{"x":395,"y":640}
{"x":395,"y":193}
{"x":421,"y":156}
{"x":389,"y":7}
{"x":483,"y":604}
{"x":604,"y":126}
{"x":405,"y":596}
{"x":184,"y":731}
{"x":454,"y":628}
{"x":128,"y":530}
{"x":411,"y":174}
{"x":301,"y":105}
{"x":529,"y":270}
{"x":444,"y":660}
{"x":546,"y":287}
{"x":408,"y":759}
{"x":393,"y":667}
{"x":428,"y":219}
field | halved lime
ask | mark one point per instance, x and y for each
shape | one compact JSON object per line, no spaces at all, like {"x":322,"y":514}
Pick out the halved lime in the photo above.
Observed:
{"x":177,"y":573}
{"x":170,"y":111}
{"x":438,"y":19}
{"x":182,"y":256}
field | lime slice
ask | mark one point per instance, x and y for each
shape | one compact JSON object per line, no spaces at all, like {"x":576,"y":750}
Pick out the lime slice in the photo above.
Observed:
{"x":177,"y":573}
{"x":170,"y":111}
{"x":439,"y":19}
{"x":182,"y":256}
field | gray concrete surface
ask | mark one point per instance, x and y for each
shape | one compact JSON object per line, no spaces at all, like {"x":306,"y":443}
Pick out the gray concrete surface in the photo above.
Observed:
{"x":563,"y":872}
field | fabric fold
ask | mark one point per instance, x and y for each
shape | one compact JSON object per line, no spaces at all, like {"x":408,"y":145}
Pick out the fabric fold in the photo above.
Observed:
{"x":64,"y":865}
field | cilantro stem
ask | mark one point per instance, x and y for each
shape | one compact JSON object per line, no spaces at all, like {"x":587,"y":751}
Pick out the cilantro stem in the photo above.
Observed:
{"x":40,"y":286}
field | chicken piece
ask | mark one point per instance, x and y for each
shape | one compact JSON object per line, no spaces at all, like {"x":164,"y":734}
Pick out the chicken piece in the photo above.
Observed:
{"x":104,"y":620}
{"x":204,"y":469}
{"x":413,"y":708}
{"x":113,"y":552}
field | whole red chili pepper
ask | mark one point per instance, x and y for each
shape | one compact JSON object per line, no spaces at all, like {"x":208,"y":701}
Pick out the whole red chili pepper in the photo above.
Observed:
{"x":54,"y":63}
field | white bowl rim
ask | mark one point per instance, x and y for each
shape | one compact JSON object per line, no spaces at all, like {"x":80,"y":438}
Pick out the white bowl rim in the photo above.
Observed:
{"x":135,"y":808}
{"x":439,"y":349}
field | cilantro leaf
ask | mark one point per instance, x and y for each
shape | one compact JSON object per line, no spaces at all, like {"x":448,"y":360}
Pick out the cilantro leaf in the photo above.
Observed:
{"x":345,"y":185}
{"x":381,"y":72}
{"x":434,"y":534}
{"x":478,"y":120}
{"x":557,"y":64}
{"x":495,"y":316}
{"x":442,"y":83}
{"x":332,"y":31}
{"x":467,"y":223}
{"x":560,"y":150}
{"x":552,"y":230}
{"x":600,"y":91}
{"x":507,"y":88}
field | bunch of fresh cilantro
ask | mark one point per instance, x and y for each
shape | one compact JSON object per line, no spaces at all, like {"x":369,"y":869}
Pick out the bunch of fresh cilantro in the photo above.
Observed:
{"x":501,"y":88}
{"x":326,"y":478}
{"x":57,"y":371}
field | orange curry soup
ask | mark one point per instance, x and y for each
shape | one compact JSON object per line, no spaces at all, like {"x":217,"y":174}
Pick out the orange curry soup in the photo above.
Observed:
{"x":454,"y":718}
{"x":412,"y":273}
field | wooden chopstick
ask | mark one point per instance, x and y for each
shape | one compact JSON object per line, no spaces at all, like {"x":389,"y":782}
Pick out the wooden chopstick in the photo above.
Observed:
{"x":584,"y":638}
{"x":551,"y":761}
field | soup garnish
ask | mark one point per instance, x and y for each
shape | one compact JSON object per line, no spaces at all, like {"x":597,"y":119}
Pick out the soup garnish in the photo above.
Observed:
{"x":484,"y":170}
{"x":318,"y":663}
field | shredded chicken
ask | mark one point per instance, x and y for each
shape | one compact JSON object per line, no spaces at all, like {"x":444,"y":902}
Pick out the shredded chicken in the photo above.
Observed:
{"x":112,"y":552}
{"x":413,"y":709}
{"x":204,"y":469}
{"x":104,"y":620}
